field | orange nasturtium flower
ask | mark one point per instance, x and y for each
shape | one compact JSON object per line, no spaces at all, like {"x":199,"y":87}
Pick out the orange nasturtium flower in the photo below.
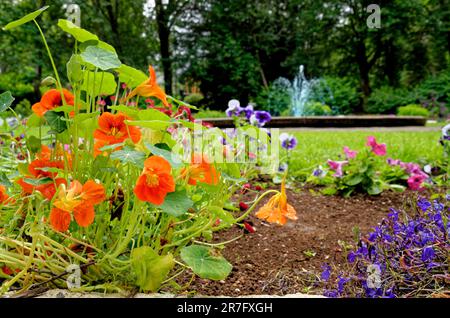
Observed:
{"x":150,"y":88}
{"x":155,"y":181}
{"x":52,"y":99}
{"x":277,"y":210}
{"x":4,"y":197}
{"x":200,"y":170}
{"x":78,"y":200}
{"x":113,"y":130}
{"x":35,"y":167}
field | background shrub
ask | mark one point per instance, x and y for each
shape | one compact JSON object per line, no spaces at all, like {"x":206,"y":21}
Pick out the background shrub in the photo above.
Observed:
{"x":341,"y":94}
{"x":276,"y":100}
{"x":194,"y":99}
{"x":386,"y":100}
{"x":413,"y":110}
{"x":206,"y":113}
{"x":317,"y":109}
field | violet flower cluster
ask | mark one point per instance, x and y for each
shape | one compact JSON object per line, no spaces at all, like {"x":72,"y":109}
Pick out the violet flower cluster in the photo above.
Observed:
{"x":256,"y":117}
{"x":406,"y":255}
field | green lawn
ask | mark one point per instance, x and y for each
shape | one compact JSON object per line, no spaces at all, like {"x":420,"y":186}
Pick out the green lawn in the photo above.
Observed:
{"x":315,"y":147}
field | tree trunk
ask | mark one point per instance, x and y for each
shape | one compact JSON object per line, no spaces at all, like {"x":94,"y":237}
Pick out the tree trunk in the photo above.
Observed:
{"x":113,"y":17}
{"x":162,"y":20}
{"x":390,"y":68}
{"x":37,"y":83}
{"x":364,"y":67}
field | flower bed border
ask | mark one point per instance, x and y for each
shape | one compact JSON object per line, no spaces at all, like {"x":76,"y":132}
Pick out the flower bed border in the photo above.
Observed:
{"x":332,"y":121}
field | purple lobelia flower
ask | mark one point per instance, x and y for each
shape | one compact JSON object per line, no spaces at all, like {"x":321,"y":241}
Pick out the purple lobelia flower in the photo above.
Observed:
{"x":423,"y":204}
{"x":260,"y":118}
{"x":427,"y":254}
{"x":326,"y":272}
{"x":288,"y":141}
{"x":409,"y":249}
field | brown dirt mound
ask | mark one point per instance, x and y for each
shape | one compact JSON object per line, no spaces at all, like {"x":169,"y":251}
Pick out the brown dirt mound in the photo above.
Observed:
{"x":282,"y":260}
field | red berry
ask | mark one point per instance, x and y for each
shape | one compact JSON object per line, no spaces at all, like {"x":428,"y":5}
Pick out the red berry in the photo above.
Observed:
{"x":246,"y":187}
{"x":258,"y":188}
{"x":243,"y":206}
{"x":6,"y":270}
{"x":248,"y":228}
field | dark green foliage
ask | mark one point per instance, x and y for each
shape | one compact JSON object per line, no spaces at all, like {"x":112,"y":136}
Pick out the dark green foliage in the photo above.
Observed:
{"x":237,"y":49}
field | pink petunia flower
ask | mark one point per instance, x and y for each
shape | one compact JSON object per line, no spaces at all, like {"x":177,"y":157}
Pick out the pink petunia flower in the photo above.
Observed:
{"x":350,"y":154}
{"x":377,"y":149}
{"x":337,"y":167}
{"x":415,"y":182}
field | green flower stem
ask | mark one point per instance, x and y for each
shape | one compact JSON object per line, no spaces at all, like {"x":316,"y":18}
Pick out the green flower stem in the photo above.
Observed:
{"x":58,"y":80}
{"x":124,"y":242}
{"x":117,"y":96}
{"x":63,"y":248}
{"x":243,"y":216}
{"x":187,"y":238}
{"x":219,"y":244}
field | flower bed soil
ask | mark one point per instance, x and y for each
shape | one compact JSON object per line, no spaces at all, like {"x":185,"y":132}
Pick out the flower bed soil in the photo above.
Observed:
{"x":279,"y":260}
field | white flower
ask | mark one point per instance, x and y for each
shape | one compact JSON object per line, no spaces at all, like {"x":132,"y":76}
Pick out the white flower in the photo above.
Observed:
{"x":233,"y":104}
{"x":253,"y":120}
{"x":285,"y":136}
{"x":446,"y":130}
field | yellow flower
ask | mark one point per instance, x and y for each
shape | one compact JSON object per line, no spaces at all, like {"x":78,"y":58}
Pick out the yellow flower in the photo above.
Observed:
{"x":277,"y":210}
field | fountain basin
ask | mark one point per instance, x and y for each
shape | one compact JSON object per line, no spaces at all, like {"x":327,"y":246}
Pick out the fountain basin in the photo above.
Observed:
{"x":332,"y":121}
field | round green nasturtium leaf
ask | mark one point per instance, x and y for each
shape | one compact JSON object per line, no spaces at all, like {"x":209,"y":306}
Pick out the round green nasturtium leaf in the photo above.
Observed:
{"x":134,"y":157}
{"x":29,"y":17}
{"x":56,"y":121}
{"x":150,"y":268}
{"x":101,"y":58}
{"x":48,"y":81}
{"x":4,"y":180}
{"x":34,"y":121}
{"x":152,"y":124}
{"x":100,"y":83}
{"x":6,"y":100}
{"x":74,"y":69}
{"x":80,"y":34}
{"x":171,"y":157}
{"x":131,"y":76}
{"x":34,"y":144}
{"x":206,"y":262}
{"x":176,"y":203}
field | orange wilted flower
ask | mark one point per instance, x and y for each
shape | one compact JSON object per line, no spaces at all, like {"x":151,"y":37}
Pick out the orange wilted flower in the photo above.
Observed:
{"x":48,"y":190}
{"x":113,"y":129}
{"x":200,"y":170}
{"x":35,"y":168}
{"x":52,"y":99}
{"x":277,"y":210}
{"x":155,"y":181}
{"x":150,"y":88}
{"x":78,"y":200}
{"x":4,"y":197}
